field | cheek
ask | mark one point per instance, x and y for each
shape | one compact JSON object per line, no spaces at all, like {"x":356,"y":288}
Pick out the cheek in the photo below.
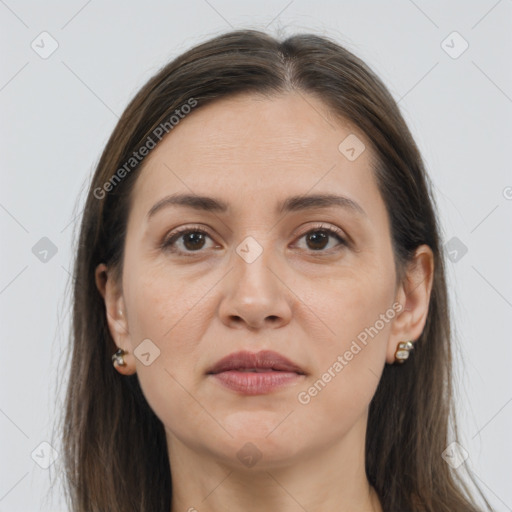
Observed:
{"x":161,"y":302}
{"x":349,"y":369}
{"x":350,"y":303}
{"x":357,"y":315}
{"x":164,"y":308}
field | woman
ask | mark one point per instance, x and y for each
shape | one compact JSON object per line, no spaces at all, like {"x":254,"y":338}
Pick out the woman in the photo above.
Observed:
{"x":260,"y":306}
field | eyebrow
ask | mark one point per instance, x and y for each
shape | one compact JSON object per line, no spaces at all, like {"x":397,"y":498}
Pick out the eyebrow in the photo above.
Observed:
{"x":291,"y":204}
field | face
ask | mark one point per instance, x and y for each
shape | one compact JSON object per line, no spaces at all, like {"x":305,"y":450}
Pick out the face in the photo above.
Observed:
{"x":314,"y":282}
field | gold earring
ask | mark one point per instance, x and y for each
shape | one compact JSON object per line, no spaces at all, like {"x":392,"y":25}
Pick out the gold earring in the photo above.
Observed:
{"x":118,"y":358}
{"x":402,"y":351}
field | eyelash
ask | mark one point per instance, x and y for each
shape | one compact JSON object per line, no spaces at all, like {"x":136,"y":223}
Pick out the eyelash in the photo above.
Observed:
{"x":170,"y":240}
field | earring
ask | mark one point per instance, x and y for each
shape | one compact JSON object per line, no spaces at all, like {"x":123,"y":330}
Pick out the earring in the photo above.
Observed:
{"x":402,"y":351}
{"x":118,"y":357}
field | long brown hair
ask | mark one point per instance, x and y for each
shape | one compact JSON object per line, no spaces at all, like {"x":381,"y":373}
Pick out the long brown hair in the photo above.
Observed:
{"x":114,"y":447}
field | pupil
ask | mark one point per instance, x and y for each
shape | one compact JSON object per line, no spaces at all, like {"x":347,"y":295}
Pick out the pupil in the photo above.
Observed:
{"x":193,"y":238}
{"x":322,"y":238}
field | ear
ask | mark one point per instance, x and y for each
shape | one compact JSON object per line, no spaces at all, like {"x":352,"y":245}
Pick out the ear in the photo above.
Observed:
{"x":414,"y":296}
{"x":115,"y":312}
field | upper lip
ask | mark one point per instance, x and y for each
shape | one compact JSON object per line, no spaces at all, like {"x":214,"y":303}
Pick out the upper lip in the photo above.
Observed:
{"x":266,"y":359}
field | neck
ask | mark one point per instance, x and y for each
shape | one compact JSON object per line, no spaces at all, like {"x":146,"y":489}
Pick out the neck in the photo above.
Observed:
{"x":328,"y":479}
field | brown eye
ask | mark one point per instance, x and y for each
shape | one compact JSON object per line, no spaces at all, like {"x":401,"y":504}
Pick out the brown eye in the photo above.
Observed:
{"x":193,"y":240}
{"x":187,"y":240}
{"x":318,"y":239}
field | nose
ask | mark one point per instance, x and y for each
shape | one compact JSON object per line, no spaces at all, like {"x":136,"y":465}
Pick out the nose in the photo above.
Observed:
{"x":255,"y":295}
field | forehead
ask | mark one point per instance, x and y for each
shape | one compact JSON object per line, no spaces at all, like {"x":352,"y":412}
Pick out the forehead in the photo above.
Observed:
{"x":249,"y":144}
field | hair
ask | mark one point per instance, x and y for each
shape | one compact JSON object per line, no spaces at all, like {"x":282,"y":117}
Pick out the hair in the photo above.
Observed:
{"x":114,"y":446}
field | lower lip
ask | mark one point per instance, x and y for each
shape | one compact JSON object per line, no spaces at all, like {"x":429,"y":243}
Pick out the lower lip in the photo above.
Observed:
{"x":252,"y":383}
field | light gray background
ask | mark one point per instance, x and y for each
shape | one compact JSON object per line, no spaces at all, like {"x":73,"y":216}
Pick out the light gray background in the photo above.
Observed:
{"x":58,"y":112}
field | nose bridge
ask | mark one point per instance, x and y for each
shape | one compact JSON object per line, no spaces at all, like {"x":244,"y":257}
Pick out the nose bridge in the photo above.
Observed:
{"x":253,"y":259}
{"x":254,"y":293}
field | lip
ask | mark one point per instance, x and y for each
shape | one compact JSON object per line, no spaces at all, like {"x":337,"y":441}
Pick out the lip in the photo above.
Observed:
{"x":270,"y":371}
{"x":263,"y":360}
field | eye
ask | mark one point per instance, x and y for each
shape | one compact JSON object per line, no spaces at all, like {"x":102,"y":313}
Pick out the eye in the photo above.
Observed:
{"x":191,"y":238}
{"x":317,"y":239}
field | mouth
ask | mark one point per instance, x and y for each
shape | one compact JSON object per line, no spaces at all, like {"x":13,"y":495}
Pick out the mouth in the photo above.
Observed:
{"x":264,"y":361}
{"x":256,"y":373}
{"x":256,"y":370}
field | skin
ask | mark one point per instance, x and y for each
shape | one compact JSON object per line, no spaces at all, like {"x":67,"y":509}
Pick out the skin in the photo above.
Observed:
{"x":253,"y":152}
